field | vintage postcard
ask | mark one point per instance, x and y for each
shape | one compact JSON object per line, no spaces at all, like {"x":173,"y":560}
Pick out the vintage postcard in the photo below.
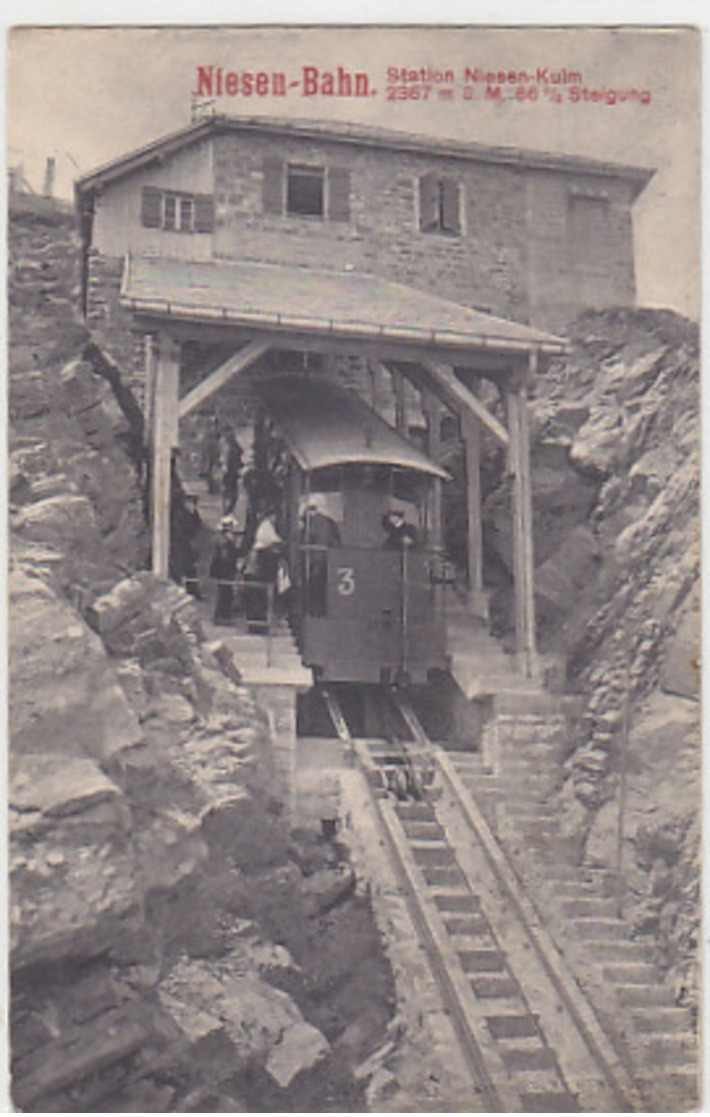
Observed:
{"x":354,"y":568}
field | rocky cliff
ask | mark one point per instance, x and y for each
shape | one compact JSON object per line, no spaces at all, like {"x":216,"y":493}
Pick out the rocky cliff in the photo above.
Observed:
{"x":172,"y":946}
{"x":615,"y":429}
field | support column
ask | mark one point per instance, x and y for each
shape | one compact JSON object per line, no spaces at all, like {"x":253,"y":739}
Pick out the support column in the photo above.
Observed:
{"x":471,"y":432}
{"x":164,"y":439}
{"x":523,"y":561}
{"x":432,"y":410}
{"x":400,"y":403}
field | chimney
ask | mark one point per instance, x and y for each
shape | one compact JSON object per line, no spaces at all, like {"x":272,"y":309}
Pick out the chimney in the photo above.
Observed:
{"x":50,"y":167}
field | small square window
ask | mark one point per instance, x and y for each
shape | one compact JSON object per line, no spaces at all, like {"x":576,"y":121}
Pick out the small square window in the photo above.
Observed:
{"x":305,"y":191}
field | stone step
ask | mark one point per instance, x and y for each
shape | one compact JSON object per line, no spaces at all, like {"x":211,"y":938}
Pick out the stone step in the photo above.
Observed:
{"x":422,"y":831}
{"x":485,"y":960}
{"x":467,"y":925}
{"x":421,"y":812}
{"x":522,"y":1026}
{"x":663,"y":1020}
{"x":550,"y":1101}
{"x":521,"y":1059}
{"x":646,"y":996}
{"x":495,"y":987}
{"x":594,"y":929}
{"x":592,"y":907}
{"x":444,"y":876}
{"x":669,"y":1051}
{"x":463,"y":902}
{"x":433,"y":854}
{"x":607,"y":950}
{"x":631,"y":973}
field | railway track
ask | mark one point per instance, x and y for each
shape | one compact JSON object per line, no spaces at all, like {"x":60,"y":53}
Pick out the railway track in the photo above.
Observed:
{"x":529,"y":1036}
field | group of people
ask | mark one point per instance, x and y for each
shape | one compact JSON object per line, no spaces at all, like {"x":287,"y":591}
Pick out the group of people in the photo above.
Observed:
{"x":221,"y":463}
{"x":256,"y":556}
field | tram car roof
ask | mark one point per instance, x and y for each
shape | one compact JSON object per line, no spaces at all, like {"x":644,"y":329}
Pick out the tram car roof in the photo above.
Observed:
{"x":324,"y":424}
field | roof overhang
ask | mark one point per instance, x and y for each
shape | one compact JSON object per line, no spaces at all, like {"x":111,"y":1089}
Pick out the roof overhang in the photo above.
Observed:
{"x":305,"y":301}
{"x":370,"y":137}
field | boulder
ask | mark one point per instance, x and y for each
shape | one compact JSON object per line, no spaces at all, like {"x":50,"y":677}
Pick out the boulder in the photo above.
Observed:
{"x":72,"y":882}
{"x":680,"y":673}
{"x":64,"y":697}
{"x":66,"y":519}
{"x":264,"y":1025}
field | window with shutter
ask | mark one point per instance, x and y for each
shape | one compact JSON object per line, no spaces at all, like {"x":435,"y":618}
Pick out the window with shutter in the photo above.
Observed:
{"x":305,"y":190}
{"x":428,"y":203}
{"x":273,"y":186}
{"x":339,"y":194}
{"x":439,"y":204}
{"x":151,"y":207}
{"x":450,"y":210}
{"x":204,"y":213}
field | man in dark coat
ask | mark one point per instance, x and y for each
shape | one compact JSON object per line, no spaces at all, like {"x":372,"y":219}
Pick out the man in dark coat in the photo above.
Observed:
{"x":319,"y":534}
{"x":232,"y":459}
{"x":223,"y":568}
{"x":399,"y":535}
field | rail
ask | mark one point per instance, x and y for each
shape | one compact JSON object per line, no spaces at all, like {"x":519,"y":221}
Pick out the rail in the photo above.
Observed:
{"x":440,"y":841}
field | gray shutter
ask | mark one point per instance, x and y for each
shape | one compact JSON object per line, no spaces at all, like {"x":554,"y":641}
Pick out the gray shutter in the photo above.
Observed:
{"x":428,"y":202}
{"x":204,"y":213}
{"x":450,"y":207}
{"x":339,"y":194}
{"x":151,"y":207}
{"x":273,"y":186}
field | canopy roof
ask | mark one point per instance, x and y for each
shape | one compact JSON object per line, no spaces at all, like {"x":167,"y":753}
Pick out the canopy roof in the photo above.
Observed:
{"x":324,"y":424}
{"x":308,"y":300}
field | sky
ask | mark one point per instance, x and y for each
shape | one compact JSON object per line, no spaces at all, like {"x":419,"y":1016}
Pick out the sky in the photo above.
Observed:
{"x":87,"y":95}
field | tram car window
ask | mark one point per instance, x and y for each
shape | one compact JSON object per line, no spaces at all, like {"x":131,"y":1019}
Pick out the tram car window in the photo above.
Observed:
{"x":366,"y":604}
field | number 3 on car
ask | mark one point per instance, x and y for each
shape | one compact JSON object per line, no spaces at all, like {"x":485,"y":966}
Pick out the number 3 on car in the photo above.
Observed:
{"x":346,"y":581}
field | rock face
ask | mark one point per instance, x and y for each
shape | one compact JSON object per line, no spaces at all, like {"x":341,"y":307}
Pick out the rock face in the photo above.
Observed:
{"x":147,"y":853}
{"x":617,"y":580}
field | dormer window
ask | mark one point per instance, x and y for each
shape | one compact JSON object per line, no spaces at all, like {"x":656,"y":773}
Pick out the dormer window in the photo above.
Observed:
{"x":439,"y":204}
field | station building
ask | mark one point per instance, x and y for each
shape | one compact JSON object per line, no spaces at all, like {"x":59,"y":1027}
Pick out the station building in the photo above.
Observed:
{"x":428,"y":273}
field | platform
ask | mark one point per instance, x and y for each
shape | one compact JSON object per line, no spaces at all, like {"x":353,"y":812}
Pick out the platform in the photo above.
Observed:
{"x":261,"y":661}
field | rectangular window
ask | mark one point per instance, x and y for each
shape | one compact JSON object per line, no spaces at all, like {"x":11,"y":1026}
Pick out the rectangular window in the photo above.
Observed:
{"x":439,"y":204}
{"x":305,"y":190}
{"x":177,"y":212}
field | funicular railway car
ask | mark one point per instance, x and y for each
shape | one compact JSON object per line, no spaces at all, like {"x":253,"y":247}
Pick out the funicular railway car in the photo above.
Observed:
{"x":358,"y":516}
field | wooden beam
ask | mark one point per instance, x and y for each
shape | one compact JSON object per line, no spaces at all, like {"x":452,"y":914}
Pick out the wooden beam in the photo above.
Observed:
{"x":471,"y":432}
{"x":400,"y":403}
{"x":164,"y":438}
{"x":221,"y":376}
{"x":465,"y":398}
{"x":523,"y":560}
{"x":432,"y":410}
{"x":494,"y":364}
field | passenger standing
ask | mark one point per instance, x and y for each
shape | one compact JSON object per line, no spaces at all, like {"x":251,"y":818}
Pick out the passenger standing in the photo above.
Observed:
{"x":209,"y":453}
{"x":223,"y":568}
{"x":262,"y":568}
{"x":231,"y":460}
{"x":319,"y":534}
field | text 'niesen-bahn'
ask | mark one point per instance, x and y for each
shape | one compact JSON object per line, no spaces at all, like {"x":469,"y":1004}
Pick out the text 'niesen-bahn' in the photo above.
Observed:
{"x":310,"y":81}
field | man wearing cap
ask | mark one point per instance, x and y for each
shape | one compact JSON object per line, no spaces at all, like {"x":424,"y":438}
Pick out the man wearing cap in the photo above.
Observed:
{"x":223,"y":568}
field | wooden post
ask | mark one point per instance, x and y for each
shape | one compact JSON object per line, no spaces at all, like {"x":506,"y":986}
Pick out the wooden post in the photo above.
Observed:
{"x":471,"y":431}
{"x":432,"y":411}
{"x":164,"y":439}
{"x":400,"y":403}
{"x":523,"y":562}
{"x":150,"y":361}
